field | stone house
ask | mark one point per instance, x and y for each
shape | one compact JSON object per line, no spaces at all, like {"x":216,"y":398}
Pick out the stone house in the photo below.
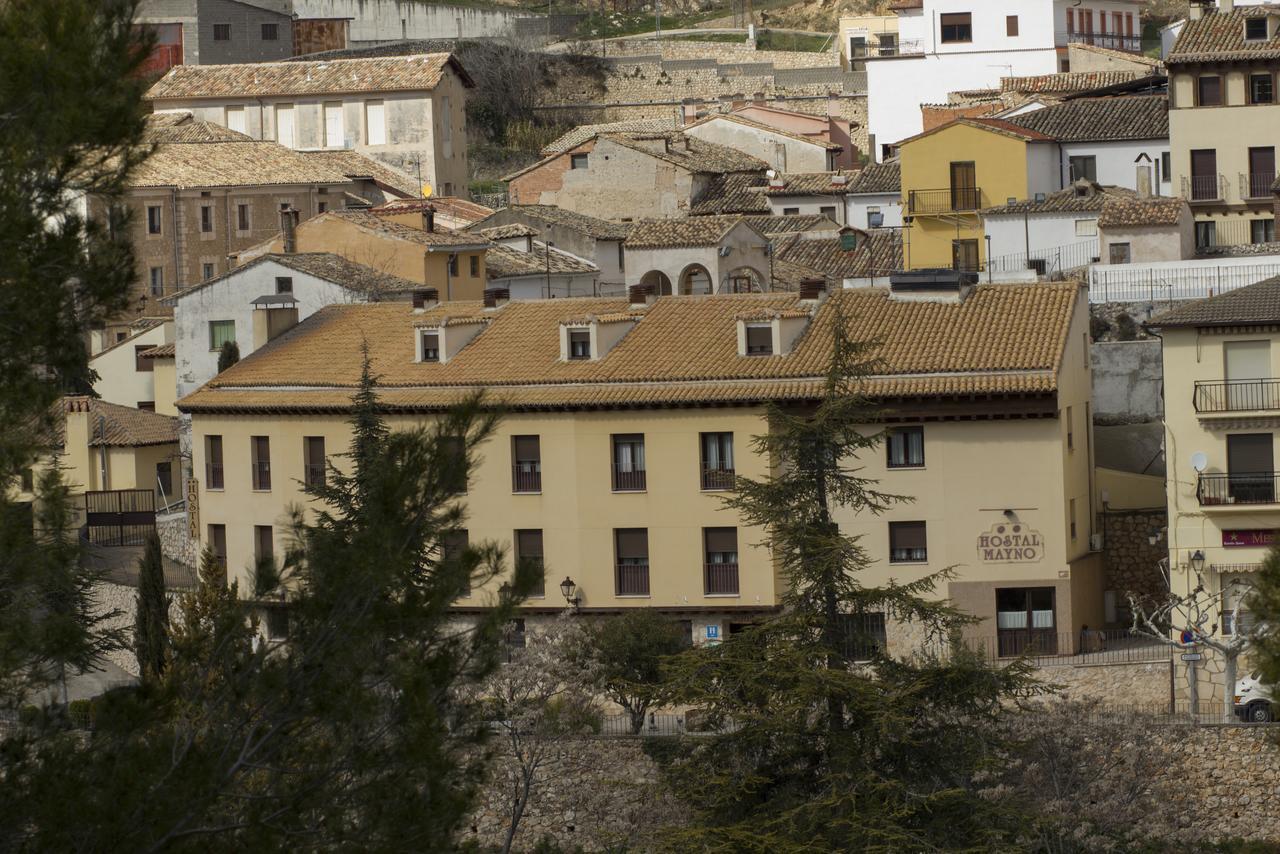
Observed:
{"x":783,"y":150}
{"x":597,"y":240}
{"x":216,"y":32}
{"x":409,"y":111}
{"x":698,"y":255}
{"x":629,"y":176}
{"x":1133,"y":231}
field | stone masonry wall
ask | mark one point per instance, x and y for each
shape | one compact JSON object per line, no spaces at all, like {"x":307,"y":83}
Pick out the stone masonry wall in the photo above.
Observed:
{"x":175,"y":544}
{"x":109,"y":596}
{"x":1130,"y":562}
{"x":1142,"y":684}
{"x":724,"y":52}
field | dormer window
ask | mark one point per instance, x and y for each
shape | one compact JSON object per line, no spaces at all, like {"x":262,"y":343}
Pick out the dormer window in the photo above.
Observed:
{"x":431,"y":346}
{"x":1255,"y":29}
{"x":759,"y":339}
{"x":579,"y":344}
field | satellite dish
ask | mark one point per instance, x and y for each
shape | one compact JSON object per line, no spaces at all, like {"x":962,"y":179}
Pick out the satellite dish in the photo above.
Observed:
{"x":1199,"y":461}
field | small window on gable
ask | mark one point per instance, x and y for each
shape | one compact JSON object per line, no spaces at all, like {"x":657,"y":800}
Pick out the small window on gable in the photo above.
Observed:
{"x":579,"y":343}
{"x":1255,"y":29}
{"x":1086,"y":228}
{"x":759,"y":339}
{"x":577,"y":161}
{"x":284,"y":284}
{"x":1011,"y":26}
{"x":431,"y":346}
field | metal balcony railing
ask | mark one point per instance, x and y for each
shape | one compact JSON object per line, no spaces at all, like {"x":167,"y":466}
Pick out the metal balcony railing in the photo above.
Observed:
{"x":720,"y":579}
{"x":632,"y":579}
{"x":1258,"y":487}
{"x":1237,"y":395}
{"x":628,"y":481}
{"x":526,"y":477}
{"x":946,"y":200}
{"x":1114,"y":41}
{"x":1257,"y":185}
{"x":1204,"y":188}
{"x":313,"y":474}
{"x":261,"y":474}
{"x":213,"y":476}
{"x":717,"y":478}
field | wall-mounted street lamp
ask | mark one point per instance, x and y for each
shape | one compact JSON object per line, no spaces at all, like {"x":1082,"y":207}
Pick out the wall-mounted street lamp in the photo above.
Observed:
{"x":570,"y":590}
{"x":1196,"y":561}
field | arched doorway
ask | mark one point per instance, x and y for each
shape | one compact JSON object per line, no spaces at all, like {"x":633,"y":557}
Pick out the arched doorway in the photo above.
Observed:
{"x":658,"y":281}
{"x":744,"y":280}
{"x":695,"y":280}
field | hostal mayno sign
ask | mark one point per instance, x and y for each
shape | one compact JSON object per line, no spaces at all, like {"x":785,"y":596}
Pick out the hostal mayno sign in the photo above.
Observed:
{"x":1010,"y":542}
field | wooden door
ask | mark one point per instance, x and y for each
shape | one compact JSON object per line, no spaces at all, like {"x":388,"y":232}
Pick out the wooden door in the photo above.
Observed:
{"x":964,"y":186}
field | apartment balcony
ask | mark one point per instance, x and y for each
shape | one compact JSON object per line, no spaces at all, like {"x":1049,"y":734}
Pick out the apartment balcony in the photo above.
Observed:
{"x":1112,"y":41}
{"x":526,"y":478}
{"x":1257,"y":186}
{"x":1226,"y":396}
{"x":1237,"y":489}
{"x":631,"y":579}
{"x":628,"y":480}
{"x":717,"y":479}
{"x":944,"y":201}
{"x":720,"y":579}
{"x":1204,"y":188}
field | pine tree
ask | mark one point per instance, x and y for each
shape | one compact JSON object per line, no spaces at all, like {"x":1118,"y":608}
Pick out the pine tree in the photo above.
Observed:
{"x":812,"y":750}
{"x":228,"y":355}
{"x":151,"y":613}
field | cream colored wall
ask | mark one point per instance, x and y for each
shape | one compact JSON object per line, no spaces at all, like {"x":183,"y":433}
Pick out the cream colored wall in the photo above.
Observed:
{"x":119,"y":380}
{"x":1075,"y":391}
{"x":165,"y":378}
{"x":1188,"y":357}
{"x":1129,"y":491}
{"x":576,"y":510}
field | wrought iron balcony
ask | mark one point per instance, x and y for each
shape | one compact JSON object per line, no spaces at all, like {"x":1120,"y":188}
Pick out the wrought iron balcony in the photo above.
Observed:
{"x":526,"y":477}
{"x":1114,"y":41}
{"x":1258,"y":487}
{"x":1257,"y":185}
{"x":945,"y":200}
{"x":632,"y":579}
{"x":717,"y":478}
{"x":1237,"y":395}
{"x":1204,"y":188}
{"x":628,"y":481}
{"x":720,"y":579}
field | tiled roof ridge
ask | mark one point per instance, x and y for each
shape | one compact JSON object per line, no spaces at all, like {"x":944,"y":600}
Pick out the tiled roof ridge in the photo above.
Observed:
{"x":743,"y":120}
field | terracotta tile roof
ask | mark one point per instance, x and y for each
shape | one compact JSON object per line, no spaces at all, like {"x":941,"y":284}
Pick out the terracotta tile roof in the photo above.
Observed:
{"x":1122,"y":213}
{"x":451,"y":206}
{"x":690,"y":152}
{"x":389,"y":228}
{"x":249,"y":163}
{"x":115,"y":426}
{"x":1220,"y":36}
{"x":1251,"y":305}
{"x":789,"y":275}
{"x":257,"y":79}
{"x":879,"y":178}
{"x":746,"y":122}
{"x":897,"y":5}
{"x":503,"y":262}
{"x":582,"y":133}
{"x":322,"y":265}
{"x":1102,"y":119}
{"x":790,"y":224}
{"x":880,"y":254}
{"x":1068,"y":81}
{"x":1134,"y":58}
{"x":357,"y":166}
{"x":732,"y":193}
{"x":1080,"y":197}
{"x":163,"y":351}
{"x":1000,"y":126}
{"x":674,"y":233}
{"x":1001,"y":339}
{"x":181,"y":127}
{"x":812,"y":184}
{"x":600,"y":229}
{"x":503,"y":232}
{"x":136,"y":330}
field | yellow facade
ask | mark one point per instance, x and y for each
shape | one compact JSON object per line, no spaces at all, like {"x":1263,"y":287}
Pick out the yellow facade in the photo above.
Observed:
{"x":942,"y":208}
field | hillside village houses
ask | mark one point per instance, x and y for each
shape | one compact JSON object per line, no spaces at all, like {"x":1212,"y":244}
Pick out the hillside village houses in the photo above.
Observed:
{"x":409,"y":111}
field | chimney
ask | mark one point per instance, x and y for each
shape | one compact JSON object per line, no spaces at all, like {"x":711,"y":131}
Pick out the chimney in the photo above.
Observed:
{"x":425,"y":299}
{"x":640,"y":295}
{"x":496,"y":297}
{"x":289,"y":229}
{"x":429,"y":219}
{"x":813,"y":289}
{"x":1144,"y":181}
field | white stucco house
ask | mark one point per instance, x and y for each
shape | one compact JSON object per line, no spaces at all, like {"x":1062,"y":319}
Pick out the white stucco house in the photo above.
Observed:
{"x":1043,"y":236}
{"x":953,"y":46}
{"x":783,"y":150}
{"x":866,"y":199}
{"x":528,"y":268}
{"x":124,"y":376}
{"x":257,"y":301}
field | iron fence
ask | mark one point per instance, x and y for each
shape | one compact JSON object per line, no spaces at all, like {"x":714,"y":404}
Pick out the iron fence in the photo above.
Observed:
{"x":1257,"y":487}
{"x":628,"y":481}
{"x":1236,"y":395}
{"x":720,"y":579}
{"x":526,"y":478}
{"x":1128,"y":43}
{"x":119,"y":517}
{"x":1049,"y":648}
{"x":1203,"y":188}
{"x":1127,"y":283}
{"x":717,"y":478}
{"x":632,"y":579}
{"x":1049,"y":261}
{"x":945,"y":200}
{"x":1254,"y":185}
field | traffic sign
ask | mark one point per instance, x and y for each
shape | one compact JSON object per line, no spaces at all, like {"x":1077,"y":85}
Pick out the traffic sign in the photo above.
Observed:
{"x":1191,"y":656}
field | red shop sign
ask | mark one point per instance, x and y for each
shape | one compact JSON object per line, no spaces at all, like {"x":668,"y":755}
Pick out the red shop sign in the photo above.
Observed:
{"x":1255,"y":539}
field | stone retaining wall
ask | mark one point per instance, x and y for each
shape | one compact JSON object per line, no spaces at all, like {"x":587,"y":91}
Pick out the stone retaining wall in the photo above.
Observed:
{"x":1130,"y":561}
{"x":109,"y":596}
{"x":175,"y":543}
{"x":1142,"y":684}
{"x":724,"y":52}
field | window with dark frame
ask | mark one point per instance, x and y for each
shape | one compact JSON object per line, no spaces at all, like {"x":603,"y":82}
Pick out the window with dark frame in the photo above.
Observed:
{"x":1071,"y":510}
{"x":1262,"y":231}
{"x":146,"y":405}
{"x":284,"y":284}
{"x":452,"y":545}
{"x":791,"y":212}
{"x":260,"y":462}
{"x":1255,"y":29}
{"x":862,"y":636}
{"x":528,"y":548}
{"x":206,"y":219}
{"x":270,"y":32}
{"x":1206,"y":233}
{"x":206,"y":271}
{"x":759,"y":339}
{"x":157,"y":281}
{"x":717,"y":461}
{"x":431,"y":346}
{"x":908,"y":542}
{"x":1209,"y":91}
{"x":631,"y":561}
{"x":579,"y":344}
{"x":154,"y":219}
{"x":720,"y":561}
{"x":578,"y":161}
{"x":164,"y":478}
{"x":218,"y":545}
{"x":1166,"y":166}
{"x":956,"y":27}
{"x":277,"y":622}
{"x":220,"y":332}
{"x":628,"y":462}
{"x":213,"y":462}
{"x":222,"y":32}
{"x":1084,"y":167}
{"x":1262,"y":89}
{"x":313,"y":461}
{"x":1011,"y":26}
{"x":905,"y":447}
{"x":1070,"y":419}
{"x":453,"y":265}
{"x":242,"y":217}
{"x":526,"y":464}
{"x":140,"y":364}
{"x":264,"y":548}
{"x":1120,"y":253}
{"x":473,"y":263}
